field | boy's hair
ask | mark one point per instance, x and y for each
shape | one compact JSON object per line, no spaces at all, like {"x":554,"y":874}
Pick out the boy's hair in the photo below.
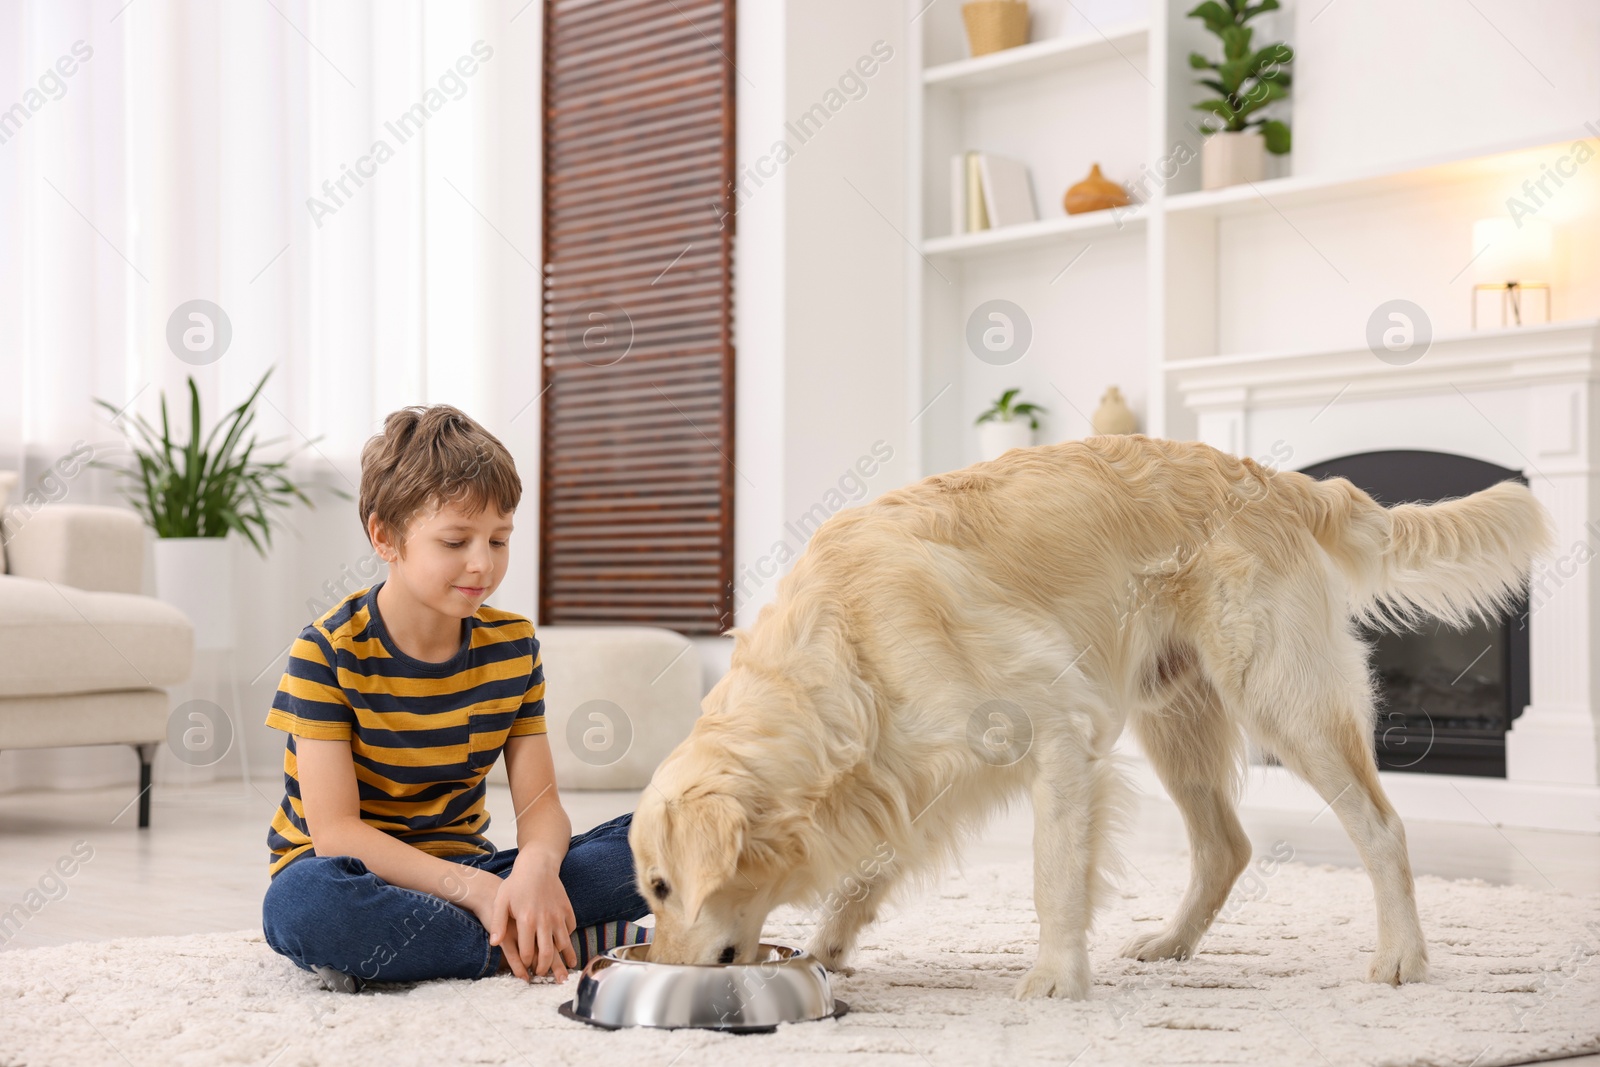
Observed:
{"x":428,"y":457}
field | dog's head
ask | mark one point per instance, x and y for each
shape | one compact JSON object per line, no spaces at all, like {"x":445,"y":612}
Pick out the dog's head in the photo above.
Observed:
{"x":691,"y":848}
{"x":719,"y":836}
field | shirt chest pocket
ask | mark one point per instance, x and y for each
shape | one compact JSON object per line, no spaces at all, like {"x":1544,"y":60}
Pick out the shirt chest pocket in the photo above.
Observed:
{"x":491,"y":722}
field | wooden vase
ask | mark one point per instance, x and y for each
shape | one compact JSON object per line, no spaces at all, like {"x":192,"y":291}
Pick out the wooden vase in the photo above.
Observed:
{"x":1094,"y":193}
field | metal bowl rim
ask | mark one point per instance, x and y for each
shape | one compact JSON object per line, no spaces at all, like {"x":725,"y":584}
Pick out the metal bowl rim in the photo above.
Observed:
{"x":622,"y":956}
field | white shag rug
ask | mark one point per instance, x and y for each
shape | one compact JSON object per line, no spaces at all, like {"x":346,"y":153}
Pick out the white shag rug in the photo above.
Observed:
{"x":1516,"y":977}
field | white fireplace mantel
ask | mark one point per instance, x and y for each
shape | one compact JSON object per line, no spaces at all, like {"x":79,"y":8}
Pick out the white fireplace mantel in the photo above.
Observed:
{"x":1220,"y":389}
{"x":1525,"y":398}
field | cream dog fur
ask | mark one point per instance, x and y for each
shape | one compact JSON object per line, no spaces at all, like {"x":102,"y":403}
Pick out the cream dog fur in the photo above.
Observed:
{"x":989,"y":631}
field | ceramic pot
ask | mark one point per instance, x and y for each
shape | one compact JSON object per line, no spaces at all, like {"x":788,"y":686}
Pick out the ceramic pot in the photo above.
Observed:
{"x":1232,"y":158}
{"x":996,"y":438}
{"x":1113,"y":414}
{"x":195,"y":575}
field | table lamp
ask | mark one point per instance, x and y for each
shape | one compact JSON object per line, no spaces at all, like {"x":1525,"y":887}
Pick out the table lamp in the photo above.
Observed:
{"x":1513,"y":259}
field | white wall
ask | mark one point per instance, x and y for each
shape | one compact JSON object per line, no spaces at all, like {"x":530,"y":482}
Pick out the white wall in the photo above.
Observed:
{"x":760,"y":313}
{"x":820,"y":301}
{"x":1381,"y":83}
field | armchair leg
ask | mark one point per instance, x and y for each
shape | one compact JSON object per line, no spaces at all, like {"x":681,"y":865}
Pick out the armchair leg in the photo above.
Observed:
{"x":147,"y":755}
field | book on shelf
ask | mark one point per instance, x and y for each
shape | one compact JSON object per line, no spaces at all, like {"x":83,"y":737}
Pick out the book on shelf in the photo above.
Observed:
{"x":988,"y":192}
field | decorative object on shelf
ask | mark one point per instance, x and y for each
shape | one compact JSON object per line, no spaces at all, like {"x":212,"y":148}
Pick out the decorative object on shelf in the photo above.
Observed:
{"x":193,"y":495}
{"x":1113,"y":414}
{"x":1247,"y":81}
{"x":1512,"y":258}
{"x":1229,"y":158}
{"x":1094,"y":193}
{"x":1006,"y":425}
{"x":988,"y":192}
{"x":995,"y":25}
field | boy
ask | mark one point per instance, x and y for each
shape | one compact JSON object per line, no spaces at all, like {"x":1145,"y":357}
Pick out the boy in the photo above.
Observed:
{"x":398,"y":701}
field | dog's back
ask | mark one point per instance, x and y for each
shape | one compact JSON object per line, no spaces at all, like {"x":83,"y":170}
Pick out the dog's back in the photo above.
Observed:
{"x":1114,"y":522}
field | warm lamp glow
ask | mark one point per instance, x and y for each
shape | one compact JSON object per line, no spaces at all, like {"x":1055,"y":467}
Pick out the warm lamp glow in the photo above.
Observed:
{"x":1510,"y":251}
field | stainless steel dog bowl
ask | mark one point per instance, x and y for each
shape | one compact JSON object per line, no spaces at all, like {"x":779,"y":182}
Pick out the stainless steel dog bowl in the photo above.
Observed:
{"x":622,"y":988}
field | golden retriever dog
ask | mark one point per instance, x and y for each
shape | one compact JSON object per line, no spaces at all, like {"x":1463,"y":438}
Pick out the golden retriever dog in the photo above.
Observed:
{"x":987,"y":632}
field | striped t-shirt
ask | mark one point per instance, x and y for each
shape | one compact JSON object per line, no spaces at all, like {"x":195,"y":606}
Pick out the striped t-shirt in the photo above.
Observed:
{"x":423,"y":736}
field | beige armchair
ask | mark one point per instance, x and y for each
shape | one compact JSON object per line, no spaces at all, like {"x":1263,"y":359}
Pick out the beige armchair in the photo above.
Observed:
{"x":83,"y":657}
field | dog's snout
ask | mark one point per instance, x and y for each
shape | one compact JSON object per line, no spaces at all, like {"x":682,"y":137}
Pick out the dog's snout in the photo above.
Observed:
{"x":728,"y":952}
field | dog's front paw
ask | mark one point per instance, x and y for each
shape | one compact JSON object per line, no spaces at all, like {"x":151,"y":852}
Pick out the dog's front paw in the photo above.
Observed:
{"x":832,"y":957}
{"x":1069,"y":982}
{"x":1162,"y":945}
{"x":1398,"y":964}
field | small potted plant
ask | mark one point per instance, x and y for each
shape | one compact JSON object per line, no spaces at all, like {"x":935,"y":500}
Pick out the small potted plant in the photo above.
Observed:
{"x":1246,"y":80}
{"x":193,"y":495}
{"x":1006,"y":425}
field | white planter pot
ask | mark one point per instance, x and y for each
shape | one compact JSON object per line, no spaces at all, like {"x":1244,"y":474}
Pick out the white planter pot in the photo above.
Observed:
{"x":996,"y":438}
{"x":195,"y":575}
{"x":1232,"y":158}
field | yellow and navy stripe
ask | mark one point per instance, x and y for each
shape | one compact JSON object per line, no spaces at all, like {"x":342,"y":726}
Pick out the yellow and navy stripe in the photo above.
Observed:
{"x":423,"y":736}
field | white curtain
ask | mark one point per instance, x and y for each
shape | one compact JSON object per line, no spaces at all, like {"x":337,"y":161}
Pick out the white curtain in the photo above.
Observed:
{"x":354,"y":184}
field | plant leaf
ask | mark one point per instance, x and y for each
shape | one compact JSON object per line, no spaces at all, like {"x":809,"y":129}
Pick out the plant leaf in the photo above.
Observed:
{"x":1276,"y":135}
{"x":1260,"y":96}
{"x":1218,"y":108}
{"x":191,"y":459}
{"x":1214,"y":15}
{"x":1236,"y":42}
{"x":1269,"y":61}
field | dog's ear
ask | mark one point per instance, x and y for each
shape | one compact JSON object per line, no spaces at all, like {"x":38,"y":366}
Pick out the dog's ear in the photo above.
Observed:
{"x":710,"y":829}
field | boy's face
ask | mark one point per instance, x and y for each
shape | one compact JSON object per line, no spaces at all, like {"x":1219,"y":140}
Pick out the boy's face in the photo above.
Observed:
{"x":453,"y":560}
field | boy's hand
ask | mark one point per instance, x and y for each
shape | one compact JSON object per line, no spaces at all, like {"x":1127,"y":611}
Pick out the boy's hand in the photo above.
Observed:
{"x":532,"y":920}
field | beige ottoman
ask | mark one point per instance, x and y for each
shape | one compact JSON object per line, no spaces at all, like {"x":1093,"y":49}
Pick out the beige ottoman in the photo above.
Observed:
{"x":617,"y":700}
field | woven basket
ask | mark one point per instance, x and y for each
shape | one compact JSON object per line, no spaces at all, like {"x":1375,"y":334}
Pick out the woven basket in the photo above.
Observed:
{"x":993,"y":25}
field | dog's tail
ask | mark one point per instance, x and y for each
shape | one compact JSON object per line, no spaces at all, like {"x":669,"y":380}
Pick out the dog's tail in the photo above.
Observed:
{"x":1455,"y":560}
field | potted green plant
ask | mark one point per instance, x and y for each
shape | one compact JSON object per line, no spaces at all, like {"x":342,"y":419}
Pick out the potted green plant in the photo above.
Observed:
{"x":193,"y":494}
{"x":1006,"y":425}
{"x":1246,"y":80}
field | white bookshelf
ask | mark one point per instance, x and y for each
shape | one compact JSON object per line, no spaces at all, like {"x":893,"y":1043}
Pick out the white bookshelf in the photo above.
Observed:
{"x":1032,"y":234}
{"x":1040,"y":57}
{"x":1358,"y":214}
{"x":1510,"y":157}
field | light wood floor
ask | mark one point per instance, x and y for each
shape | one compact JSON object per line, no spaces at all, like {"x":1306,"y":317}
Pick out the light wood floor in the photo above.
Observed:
{"x":202,"y":864}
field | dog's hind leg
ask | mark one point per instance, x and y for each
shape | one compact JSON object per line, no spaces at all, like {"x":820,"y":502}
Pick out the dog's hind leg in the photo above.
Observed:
{"x":1075,"y":797}
{"x":1336,"y":759}
{"x":1305,"y":695}
{"x":1194,"y":747}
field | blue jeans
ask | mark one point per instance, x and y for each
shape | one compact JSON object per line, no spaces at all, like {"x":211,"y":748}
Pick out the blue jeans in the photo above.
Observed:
{"x":331,"y":911}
